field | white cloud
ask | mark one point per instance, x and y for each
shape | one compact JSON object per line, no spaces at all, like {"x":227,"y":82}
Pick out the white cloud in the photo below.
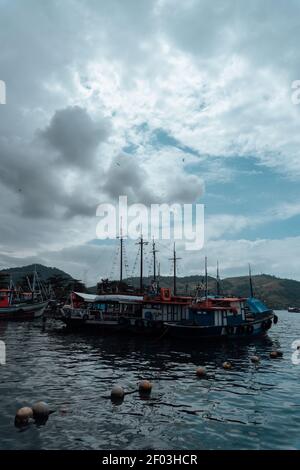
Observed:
{"x":92,"y":78}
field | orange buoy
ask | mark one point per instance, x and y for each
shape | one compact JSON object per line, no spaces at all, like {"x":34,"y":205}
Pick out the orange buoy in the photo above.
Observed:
{"x":201,"y":372}
{"x":227,"y":365}
{"x":23,"y":415}
{"x":145,"y":386}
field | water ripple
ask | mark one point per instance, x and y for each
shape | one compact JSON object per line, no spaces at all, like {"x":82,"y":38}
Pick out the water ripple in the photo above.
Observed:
{"x":252,"y":406}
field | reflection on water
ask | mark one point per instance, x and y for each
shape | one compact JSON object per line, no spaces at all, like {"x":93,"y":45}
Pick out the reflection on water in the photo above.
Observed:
{"x":249,"y":407}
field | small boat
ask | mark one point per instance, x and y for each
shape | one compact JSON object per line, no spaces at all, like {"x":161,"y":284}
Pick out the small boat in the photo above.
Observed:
{"x":294,"y":309}
{"x":220,"y":317}
{"x":20,"y":306}
{"x":15,"y":304}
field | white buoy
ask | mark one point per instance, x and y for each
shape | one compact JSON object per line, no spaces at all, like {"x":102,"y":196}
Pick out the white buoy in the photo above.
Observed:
{"x":227,"y":365}
{"x":255,"y":359}
{"x":23,"y":415}
{"x":117,"y":393}
{"x":145,"y":386}
{"x":201,"y":372}
{"x":40,"y":410}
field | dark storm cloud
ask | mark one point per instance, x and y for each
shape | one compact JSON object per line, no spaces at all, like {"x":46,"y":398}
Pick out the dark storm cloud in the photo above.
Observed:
{"x":126,"y":177}
{"x":75,"y":136}
{"x":34,"y":173}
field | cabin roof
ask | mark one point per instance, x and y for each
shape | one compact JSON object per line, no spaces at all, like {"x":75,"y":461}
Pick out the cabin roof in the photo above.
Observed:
{"x":110,"y":298}
{"x":119,"y":298}
{"x":86,"y":297}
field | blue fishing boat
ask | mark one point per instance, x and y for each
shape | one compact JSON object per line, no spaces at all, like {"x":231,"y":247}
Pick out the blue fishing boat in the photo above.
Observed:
{"x":224,"y":317}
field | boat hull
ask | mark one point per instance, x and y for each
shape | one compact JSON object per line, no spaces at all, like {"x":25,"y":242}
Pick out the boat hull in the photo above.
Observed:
{"x":243,"y":331}
{"x":23,"y":311}
{"x":173,"y":330}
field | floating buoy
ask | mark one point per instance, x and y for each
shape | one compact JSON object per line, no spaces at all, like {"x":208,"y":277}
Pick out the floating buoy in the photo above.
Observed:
{"x":255,"y":359}
{"x":227,"y":365}
{"x":201,"y":372}
{"x":40,"y":410}
{"x":275,"y":354}
{"x":23,"y":415}
{"x":145,"y":386}
{"x":117,"y":394}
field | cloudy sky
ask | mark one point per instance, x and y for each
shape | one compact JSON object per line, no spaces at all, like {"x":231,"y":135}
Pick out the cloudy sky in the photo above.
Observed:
{"x":162,"y":101}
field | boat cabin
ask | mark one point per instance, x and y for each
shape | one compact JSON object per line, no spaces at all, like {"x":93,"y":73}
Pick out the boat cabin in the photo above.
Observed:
{"x":166,"y":307}
{"x":5,"y":297}
{"x":218,"y":311}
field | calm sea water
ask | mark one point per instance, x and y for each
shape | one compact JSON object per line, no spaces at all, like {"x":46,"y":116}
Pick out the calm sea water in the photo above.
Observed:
{"x":248,"y":407}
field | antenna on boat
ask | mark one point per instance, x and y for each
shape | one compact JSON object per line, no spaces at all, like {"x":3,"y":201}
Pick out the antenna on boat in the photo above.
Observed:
{"x":11,"y":283}
{"x":218,"y":280}
{"x":154,"y":251}
{"x":250,"y":282}
{"x":174,"y":259}
{"x":141,"y":243}
{"x":206,"y":279}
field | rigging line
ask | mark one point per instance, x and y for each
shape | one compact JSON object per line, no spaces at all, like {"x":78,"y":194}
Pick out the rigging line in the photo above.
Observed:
{"x":165,"y":246}
{"x":126,"y":264}
{"x":114,"y":263}
{"x":135,"y":263}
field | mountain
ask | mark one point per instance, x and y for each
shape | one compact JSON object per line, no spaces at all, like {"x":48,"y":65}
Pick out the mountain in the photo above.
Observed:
{"x":44,"y":272}
{"x":277,"y":293}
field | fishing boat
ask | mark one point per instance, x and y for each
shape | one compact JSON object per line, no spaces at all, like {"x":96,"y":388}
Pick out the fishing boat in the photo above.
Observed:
{"x":161,"y":311}
{"x":220,"y":317}
{"x":145,"y":314}
{"x":16,"y":304}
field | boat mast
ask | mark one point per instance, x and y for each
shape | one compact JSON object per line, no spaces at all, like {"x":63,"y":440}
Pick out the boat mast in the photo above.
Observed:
{"x":154,"y":251}
{"x":250,"y":282}
{"x":141,"y":243}
{"x":206,"y":279}
{"x":121,"y":238}
{"x":174,"y":259}
{"x":158,"y":276}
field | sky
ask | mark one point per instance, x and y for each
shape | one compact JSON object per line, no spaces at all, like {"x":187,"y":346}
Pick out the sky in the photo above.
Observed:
{"x":161,"y":101}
